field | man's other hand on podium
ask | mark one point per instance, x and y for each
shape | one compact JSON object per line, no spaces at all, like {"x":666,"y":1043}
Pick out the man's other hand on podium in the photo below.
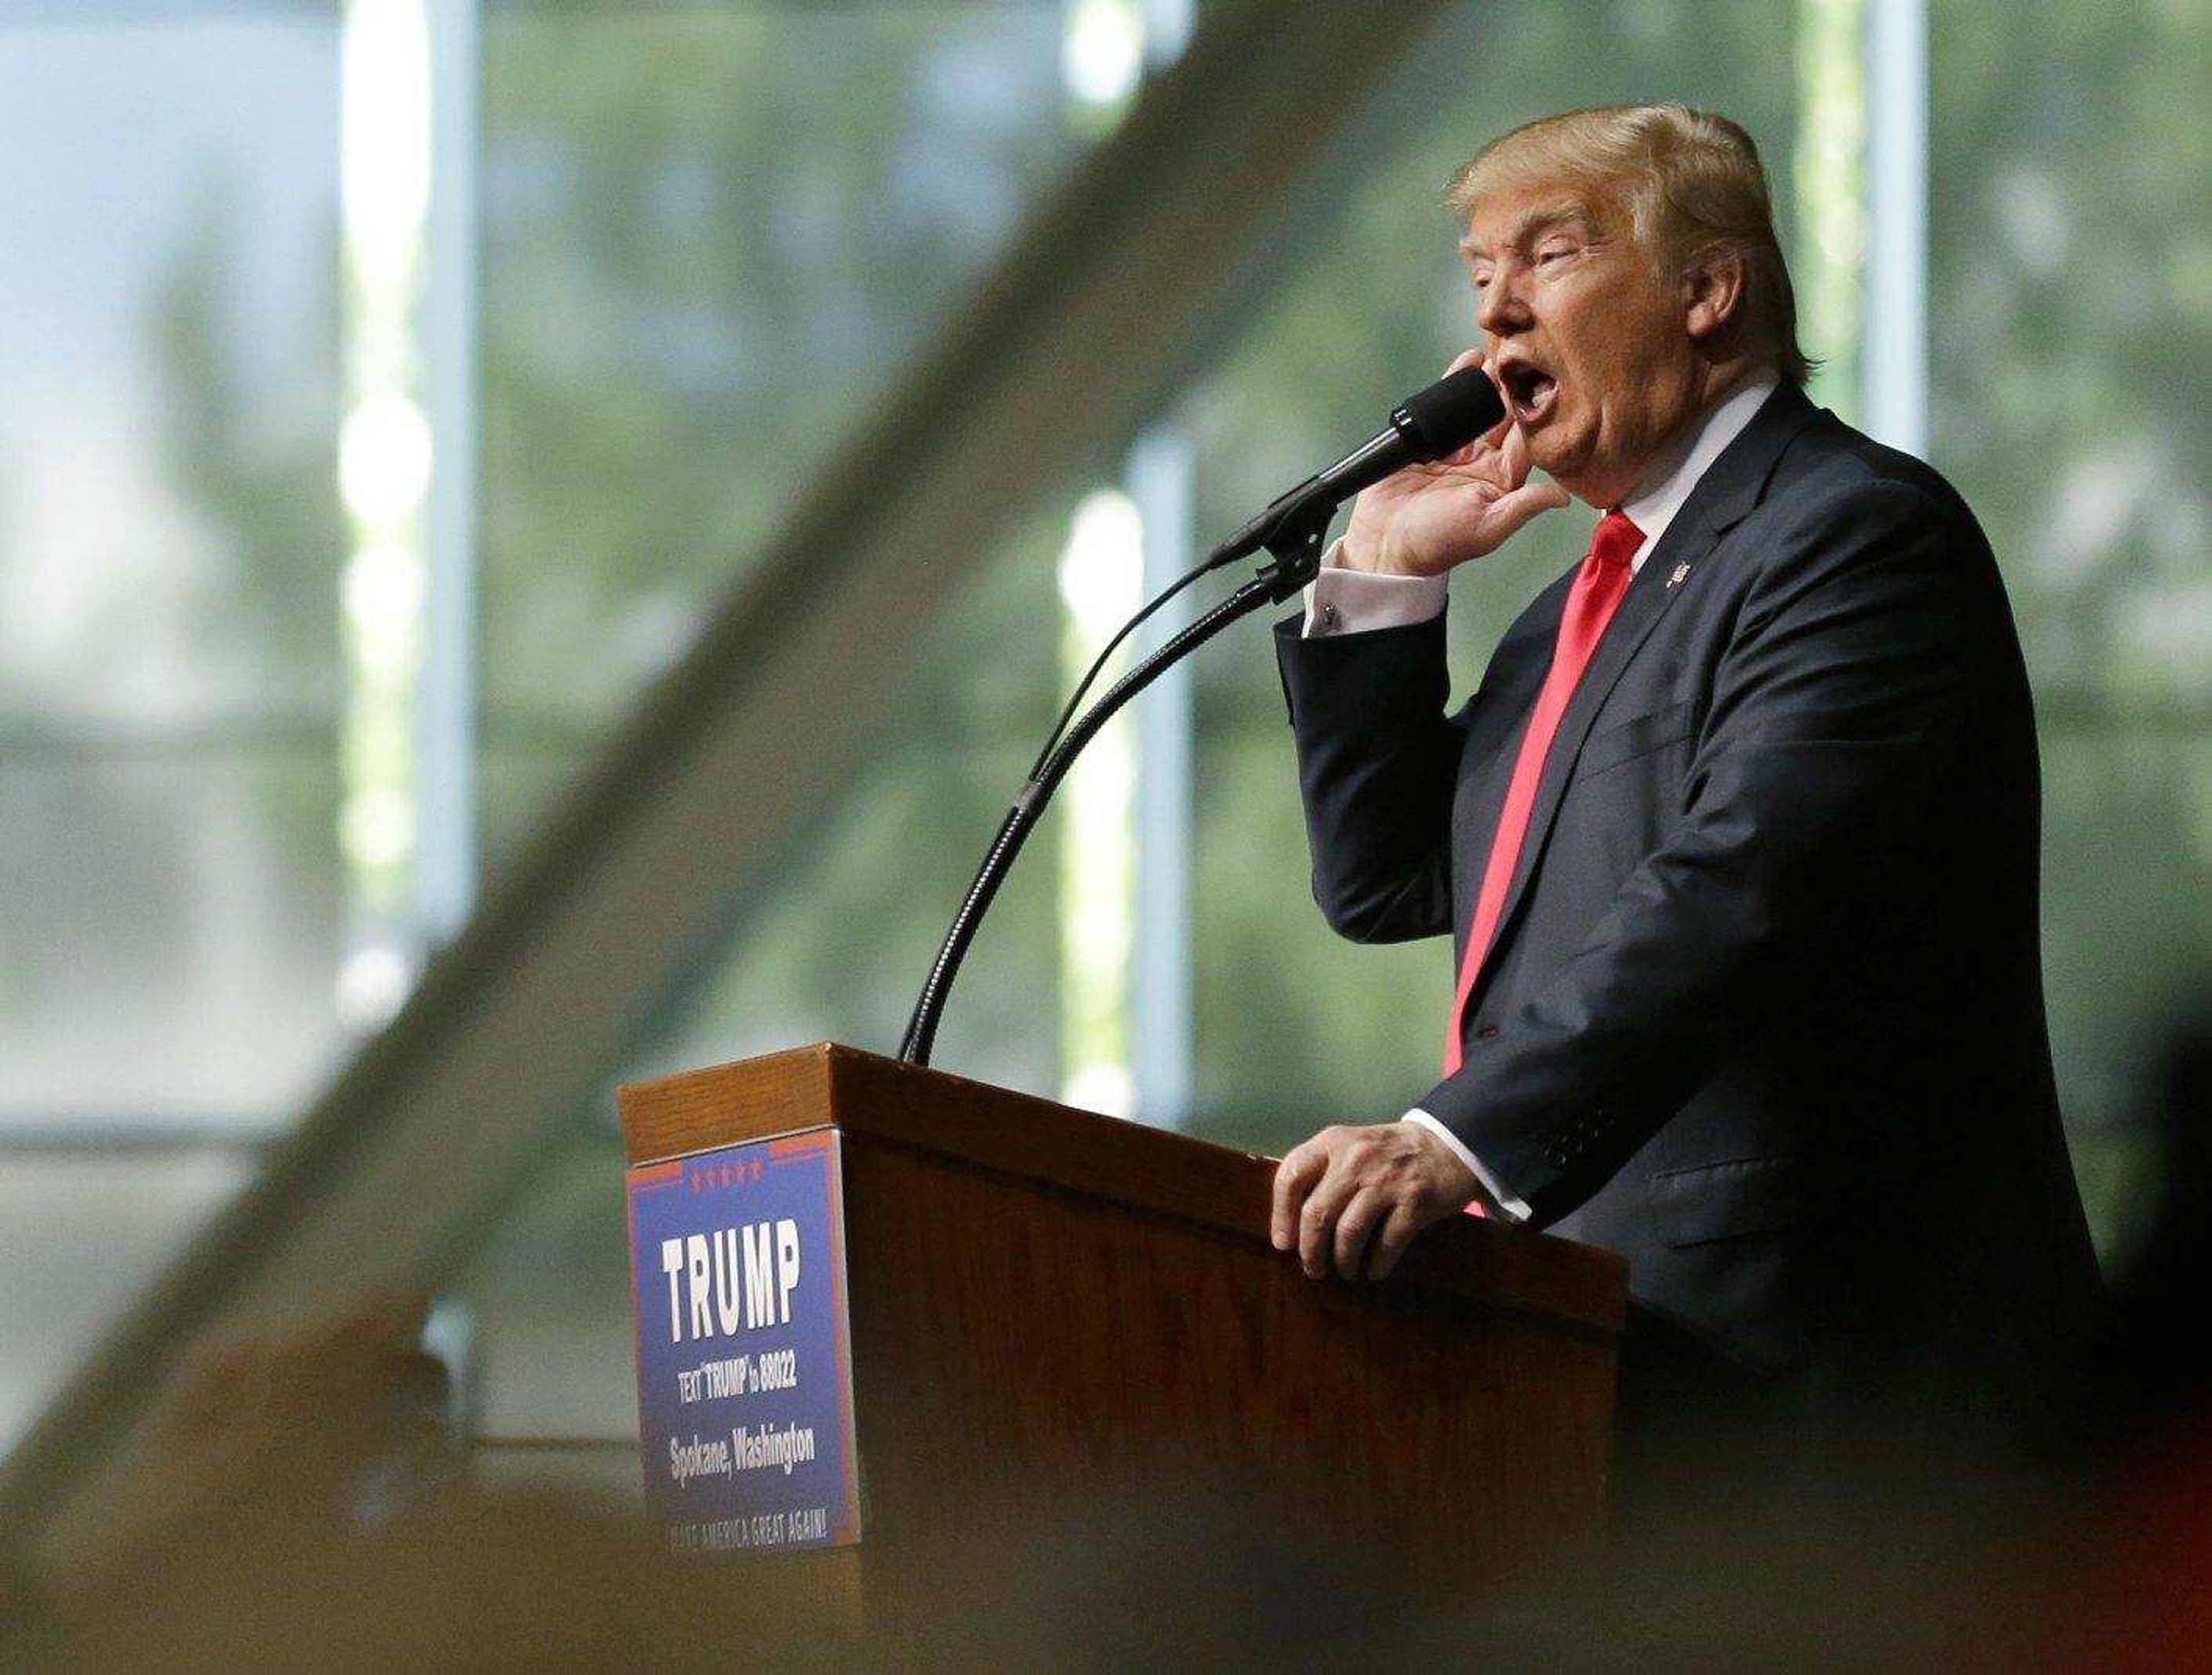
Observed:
{"x":1351,"y":1200}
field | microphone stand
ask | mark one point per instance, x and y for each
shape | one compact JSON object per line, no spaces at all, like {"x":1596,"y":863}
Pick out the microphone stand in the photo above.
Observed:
{"x":1293,"y":538}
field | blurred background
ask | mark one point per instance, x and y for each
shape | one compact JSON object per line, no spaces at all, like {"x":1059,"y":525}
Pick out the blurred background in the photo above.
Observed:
{"x":395,"y":395}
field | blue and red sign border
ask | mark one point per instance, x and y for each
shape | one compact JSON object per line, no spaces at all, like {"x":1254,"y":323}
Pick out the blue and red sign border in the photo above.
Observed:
{"x":803,"y":1145}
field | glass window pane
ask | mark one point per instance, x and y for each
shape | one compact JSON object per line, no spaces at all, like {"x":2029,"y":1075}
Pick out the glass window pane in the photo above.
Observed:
{"x":171,"y":936}
{"x":841,"y":950}
{"x":169,"y":550}
{"x":79,"y":1237}
{"x":2070,"y":313}
{"x":712,"y":238}
{"x":169,"y":545}
{"x":169,"y":536}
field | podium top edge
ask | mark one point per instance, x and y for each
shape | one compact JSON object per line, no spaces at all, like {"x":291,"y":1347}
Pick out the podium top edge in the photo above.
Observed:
{"x":869,"y":1097}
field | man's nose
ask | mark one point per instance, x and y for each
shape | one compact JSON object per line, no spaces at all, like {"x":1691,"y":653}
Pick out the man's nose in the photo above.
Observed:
{"x":1500,"y":306}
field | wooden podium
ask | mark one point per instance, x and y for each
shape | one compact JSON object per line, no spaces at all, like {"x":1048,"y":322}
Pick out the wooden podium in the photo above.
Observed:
{"x":1048,"y":1301}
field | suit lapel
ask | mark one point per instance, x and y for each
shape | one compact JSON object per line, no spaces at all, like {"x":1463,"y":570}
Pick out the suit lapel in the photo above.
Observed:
{"x":1723,"y":497}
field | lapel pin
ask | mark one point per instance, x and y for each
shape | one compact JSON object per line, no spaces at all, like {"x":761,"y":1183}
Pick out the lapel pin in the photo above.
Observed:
{"x":1681,"y":571}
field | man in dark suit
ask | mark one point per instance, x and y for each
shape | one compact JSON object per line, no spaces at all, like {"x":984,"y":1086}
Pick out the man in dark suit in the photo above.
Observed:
{"x":1737,"y":841}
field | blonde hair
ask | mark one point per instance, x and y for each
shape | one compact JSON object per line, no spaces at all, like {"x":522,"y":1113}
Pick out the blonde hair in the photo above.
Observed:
{"x":1691,"y":182}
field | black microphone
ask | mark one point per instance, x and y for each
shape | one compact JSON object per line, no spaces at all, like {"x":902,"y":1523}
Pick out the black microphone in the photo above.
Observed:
{"x":1440,"y":420}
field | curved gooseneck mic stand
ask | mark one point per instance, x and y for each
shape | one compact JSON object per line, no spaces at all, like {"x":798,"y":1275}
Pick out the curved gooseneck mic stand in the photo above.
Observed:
{"x":1293,"y":539}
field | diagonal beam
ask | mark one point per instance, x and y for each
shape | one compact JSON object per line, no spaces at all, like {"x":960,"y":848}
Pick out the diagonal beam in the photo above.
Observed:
{"x":1114,"y":291}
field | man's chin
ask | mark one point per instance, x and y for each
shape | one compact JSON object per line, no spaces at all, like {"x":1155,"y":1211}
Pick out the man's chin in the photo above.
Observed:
{"x":1563,"y":464}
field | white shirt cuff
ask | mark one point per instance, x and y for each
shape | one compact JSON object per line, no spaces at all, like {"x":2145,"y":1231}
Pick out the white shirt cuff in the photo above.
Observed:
{"x":1340,"y":601}
{"x":1512,"y":1207}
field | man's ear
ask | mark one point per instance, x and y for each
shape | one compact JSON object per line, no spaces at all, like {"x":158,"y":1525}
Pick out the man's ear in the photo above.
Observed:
{"x":1712,"y":291}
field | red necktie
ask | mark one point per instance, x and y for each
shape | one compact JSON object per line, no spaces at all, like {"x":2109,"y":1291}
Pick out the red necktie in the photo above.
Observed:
{"x":1595,"y":595}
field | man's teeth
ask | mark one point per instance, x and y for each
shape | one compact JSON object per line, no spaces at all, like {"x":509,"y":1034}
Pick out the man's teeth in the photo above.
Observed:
{"x":1530,"y":387}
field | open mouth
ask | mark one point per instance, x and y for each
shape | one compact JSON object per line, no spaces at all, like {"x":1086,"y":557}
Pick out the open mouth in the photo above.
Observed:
{"x":1529,"y":391}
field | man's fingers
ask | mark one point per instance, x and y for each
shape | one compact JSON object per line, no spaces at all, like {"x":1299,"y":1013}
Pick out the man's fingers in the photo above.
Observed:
{"x":1350,"y":1203}
{"x":1509,"y":511}
{"x":1317,"y":1221}
{"x":1353,"y":1229}
{"x":1515,"y":450}
{"x":1391,"y":1239}
{"x":1298,"y":1174}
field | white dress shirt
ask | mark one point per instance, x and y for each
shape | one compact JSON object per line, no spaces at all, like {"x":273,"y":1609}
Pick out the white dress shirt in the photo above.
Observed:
{"x":1340,"y":601}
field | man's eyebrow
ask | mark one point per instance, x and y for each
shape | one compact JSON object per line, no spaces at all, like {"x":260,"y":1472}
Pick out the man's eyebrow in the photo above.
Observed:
{"x":1535,"y":221}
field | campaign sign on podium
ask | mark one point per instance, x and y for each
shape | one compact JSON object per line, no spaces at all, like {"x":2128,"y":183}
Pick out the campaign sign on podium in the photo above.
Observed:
{"x":744,"y":1378}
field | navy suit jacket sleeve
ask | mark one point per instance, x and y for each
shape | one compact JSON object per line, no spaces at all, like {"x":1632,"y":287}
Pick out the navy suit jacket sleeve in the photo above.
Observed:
{"x":1378,"y":762}
{"x":1846,"y":686}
